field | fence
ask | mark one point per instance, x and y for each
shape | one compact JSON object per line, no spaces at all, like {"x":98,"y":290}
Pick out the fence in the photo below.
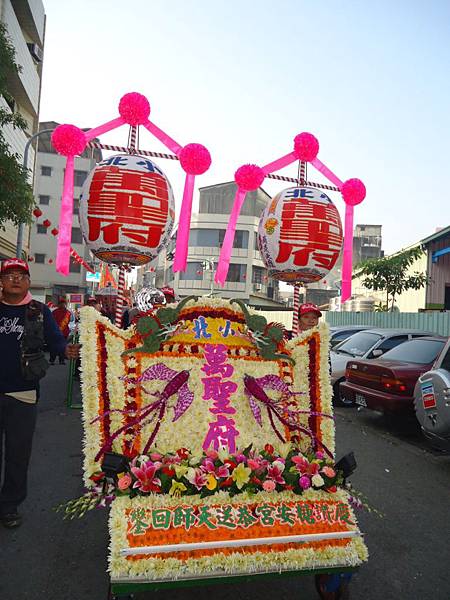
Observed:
{"x":434,"y":322}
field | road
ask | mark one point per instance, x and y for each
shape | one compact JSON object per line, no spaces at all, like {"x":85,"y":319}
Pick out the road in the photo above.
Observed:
{"x":51,"y":559}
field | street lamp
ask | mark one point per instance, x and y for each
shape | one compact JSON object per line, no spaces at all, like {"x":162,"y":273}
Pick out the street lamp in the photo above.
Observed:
{"x":21,"y":228}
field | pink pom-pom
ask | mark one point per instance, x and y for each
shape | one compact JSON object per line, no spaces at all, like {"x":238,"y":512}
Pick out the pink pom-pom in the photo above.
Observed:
{"x":194,"y":159}
{"x":306,"y":146}
{"x":353,"y":191}
{"x":134,"y":108}
{"x":249,"y":177}
{"x":68,"y":140}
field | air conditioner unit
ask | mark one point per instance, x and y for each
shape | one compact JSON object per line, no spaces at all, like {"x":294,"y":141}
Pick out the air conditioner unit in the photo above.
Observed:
{"x":36,"y":52}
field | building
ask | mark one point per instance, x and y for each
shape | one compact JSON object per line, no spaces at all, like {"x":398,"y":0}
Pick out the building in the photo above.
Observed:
{"x":367,"y":242}
{"x":435,"y":262}
{"x":25,"y":22}
{"x":247,"y":275}
{"x":50,"y":166}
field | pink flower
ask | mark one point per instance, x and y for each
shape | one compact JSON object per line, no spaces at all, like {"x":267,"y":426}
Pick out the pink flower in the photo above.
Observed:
{"x":274,"y":472}
{"x":124,"y":482}
{"x":208,"y":466}
{"x":320,"y":455}
{"x":155,"y":456}
{"x":197,"y":477}
{"x":257,"y":464}
{"x":240,"y":458}
{"x":269,"y":485}
{"x":328,"y":472}
{"x":253,"y":464}
{"x":301,"y":464}
{"x":172,"y":460}
{"x":212,"y":454}
{"x":145,"y":475}
{"x":304,"y":482}
{"x":223,"y":471}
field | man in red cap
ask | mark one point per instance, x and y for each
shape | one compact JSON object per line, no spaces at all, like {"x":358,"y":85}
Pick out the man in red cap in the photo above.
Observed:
{"x":308,"y":316}
{"x":25,"y":327}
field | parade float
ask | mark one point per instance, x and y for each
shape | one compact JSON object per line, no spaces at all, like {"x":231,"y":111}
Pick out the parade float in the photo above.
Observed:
{"x":206,"y":432}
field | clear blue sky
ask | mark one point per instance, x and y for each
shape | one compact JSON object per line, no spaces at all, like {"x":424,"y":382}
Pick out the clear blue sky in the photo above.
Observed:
{"x":369,"y":79}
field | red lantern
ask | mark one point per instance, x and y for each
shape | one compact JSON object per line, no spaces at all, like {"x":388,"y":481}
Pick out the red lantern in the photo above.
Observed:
{"x":46,"y":223}
{"x":50,"y":261}
{"x":300,"y":235}
{"x":54,"y":231}
{"x":126,"y":210}
{"x":37,"y":212}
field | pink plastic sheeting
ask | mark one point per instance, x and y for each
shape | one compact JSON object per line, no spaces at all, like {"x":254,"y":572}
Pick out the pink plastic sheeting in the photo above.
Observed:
{"x":163,"y":137}
{"x":227,"y":246}
{"x":65,"y":220}
{"x":326,"y":172}
{"x":280,"y":163}
{"x":184,"y":223}
{"x":96,"y":131}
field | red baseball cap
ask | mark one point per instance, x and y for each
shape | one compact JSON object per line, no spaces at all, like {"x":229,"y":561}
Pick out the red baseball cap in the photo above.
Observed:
{"x":15,"y":263}
{"x":307,"y":308}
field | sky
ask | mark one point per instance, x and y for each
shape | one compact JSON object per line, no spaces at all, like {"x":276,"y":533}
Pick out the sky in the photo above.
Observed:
{"x":369,"y":79}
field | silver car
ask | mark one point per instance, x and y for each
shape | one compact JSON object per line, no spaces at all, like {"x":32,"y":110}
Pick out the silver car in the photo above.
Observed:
{"x":432,"y":401}
{"x":371,"y":343}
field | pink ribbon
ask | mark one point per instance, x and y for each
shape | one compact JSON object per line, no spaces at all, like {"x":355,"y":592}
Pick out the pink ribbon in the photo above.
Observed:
{"x":227,"y":245}
{"x":65,"y":220}
{"x":163,"y":137}
{"x":280,"y":163}
{"x":181,"y":251}
{"x":347,"y":260}
{"x":96,"y":131}
{"x":326,"y":172}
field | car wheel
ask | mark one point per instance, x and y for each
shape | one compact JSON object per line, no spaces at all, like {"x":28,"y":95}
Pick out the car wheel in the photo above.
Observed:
{"x":338,"y":398}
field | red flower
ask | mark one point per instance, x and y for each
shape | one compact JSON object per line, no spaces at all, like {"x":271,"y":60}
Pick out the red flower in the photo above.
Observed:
{"x":183,"y":453}
{"x":269,"y":448}
{"x":230,"y":462}
{"x":331,"y":489}
{"x":168,"y":471}
{"x":97,"y":477}
{"x":255,"y":480}
{"x":227,"y":482}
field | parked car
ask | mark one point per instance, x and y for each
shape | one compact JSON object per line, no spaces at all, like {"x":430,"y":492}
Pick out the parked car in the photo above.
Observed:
{"x":370,"y":344}
{"x":387,"y":384}
{"x":432,"y":401}
{"x":340,"y":333}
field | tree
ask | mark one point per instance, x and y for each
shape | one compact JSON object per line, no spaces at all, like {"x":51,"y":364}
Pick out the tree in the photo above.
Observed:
{"x":16,"y":194}
{"x":390,"y":275}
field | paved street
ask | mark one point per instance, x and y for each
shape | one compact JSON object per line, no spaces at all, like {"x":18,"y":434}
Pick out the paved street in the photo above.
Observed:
{"x":51,"y":559}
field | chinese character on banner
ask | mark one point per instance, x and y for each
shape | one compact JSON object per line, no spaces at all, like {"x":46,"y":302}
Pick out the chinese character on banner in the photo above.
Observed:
{"x":300,"y":235}
{"x":126,"y":210}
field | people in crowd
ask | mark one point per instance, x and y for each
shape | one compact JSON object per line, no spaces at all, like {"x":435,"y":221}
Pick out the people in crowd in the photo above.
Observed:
{"x":62,"y":317}
{"x":308,"y":316}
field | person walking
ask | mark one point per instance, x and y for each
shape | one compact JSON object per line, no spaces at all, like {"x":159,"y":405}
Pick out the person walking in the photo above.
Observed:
{"x":62,"y":317}
{"x":25,"y":327}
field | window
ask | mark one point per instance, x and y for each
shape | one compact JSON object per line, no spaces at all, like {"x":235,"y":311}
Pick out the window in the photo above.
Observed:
{"x":46,"y":171}
{"x":39,"y":259}
{"x":76,"y":207}
{"x":194,"y":271}
{"x":445,"y":364}
{"x":256,"y":242}
{"x":358,"y":344}
{"x":259,"y":275}
{"x":392,"y":342}
{"x":237,"y":273}
{"x":213,"y":238}
{"x":77,"y":238}
{"x":44,"y":200}
{"x":240,"y":238}
{"x":79,"y":177}
{"x":420,"y":352}
{"x":41,"y":229}
{"x":74,"y":267}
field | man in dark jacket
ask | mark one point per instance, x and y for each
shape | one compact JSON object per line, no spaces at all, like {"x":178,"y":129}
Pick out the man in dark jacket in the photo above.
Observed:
{"x":18,"y":391}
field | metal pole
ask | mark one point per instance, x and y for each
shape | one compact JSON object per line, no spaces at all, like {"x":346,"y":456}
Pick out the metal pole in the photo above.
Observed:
{"x":21,"y":227}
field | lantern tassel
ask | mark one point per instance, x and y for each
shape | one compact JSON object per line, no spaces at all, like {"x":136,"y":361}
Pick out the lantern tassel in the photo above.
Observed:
{"x":181,"y":251}
{"x":227,"y":246}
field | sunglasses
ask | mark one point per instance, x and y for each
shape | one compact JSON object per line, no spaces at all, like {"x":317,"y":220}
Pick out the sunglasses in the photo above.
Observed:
{"x":15,"y":276}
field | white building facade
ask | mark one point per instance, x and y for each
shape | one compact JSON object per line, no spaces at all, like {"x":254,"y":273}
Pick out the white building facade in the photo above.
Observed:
{"x":247,"y":276}
{"x":25,"y":23}
{"x":47,"y":283}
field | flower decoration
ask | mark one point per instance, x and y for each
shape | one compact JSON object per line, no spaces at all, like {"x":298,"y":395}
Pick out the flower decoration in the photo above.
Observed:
{"x":145,"y":477}
{"x":195,"y":159}
{"x":306,"y":146}
{"x":134,"y":108}
{"x":249,"y":177}
{"x":69,"y":140}
{"x":353,"y":191}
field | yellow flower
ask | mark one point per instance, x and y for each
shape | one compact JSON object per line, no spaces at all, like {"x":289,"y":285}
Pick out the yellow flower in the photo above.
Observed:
{"x":241,"y":475}
{"x":177,"y":488}
{"x":180,"y":470}
{"x":223,"y":453}
{"x":211,"y":482}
